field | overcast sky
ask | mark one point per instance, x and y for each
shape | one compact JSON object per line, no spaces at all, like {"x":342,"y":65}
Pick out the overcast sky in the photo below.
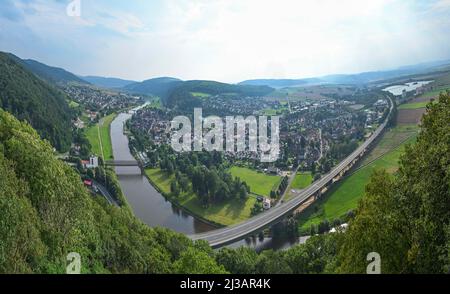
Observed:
{"x":226,"y":40}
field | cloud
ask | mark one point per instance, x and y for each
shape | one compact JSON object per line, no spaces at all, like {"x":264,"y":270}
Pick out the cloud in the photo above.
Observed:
{"x":228,"y":40}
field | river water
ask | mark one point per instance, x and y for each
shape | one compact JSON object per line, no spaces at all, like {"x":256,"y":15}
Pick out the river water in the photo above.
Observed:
{"x":147,"y":203}
{"x":153,"y":209}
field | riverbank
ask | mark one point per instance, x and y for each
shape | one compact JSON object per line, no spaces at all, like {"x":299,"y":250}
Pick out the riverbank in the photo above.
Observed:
{"x":222,"y":214}
{"x":146,"y":202}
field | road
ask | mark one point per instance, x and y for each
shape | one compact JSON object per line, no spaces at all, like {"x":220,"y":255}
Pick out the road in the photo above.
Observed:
{"x":291,"y":179}
{"x":227,"y":235}
{"x":105,"y":193}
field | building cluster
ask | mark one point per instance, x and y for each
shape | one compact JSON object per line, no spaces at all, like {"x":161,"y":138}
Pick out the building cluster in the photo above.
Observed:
{"x":308,"y":128}
{"x":100,"y":99}
{"x":155,"y":123}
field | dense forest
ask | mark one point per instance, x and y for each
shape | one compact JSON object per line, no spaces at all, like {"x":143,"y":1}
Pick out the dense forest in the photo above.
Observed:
{"x":160,"y":87}
{"x":53,"y":75}
{"x":47,"y":213}
{"x":29,"y":98}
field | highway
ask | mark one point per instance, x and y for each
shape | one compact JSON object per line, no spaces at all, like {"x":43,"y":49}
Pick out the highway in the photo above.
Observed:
{"x":227,"y":235}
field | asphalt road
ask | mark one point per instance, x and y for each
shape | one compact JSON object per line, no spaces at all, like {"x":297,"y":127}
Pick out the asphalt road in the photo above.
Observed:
{"x":230,"y":234}
{"x":105,"y":193}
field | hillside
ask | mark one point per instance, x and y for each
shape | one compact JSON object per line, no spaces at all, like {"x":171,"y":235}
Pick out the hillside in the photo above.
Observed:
{"x":29,"y":98}
{"x":54,"y":75}
{"x":45,"y":213}
{"x":107,"y":82}
{"x":183,"y":97}
{"x":351,"y":79}
{"x":282,"y":83}
{"x":160,"y":87}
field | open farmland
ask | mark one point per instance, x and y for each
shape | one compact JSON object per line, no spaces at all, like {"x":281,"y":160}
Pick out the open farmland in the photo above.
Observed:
{"x":410,"y":116}
{"x":100,"y":139}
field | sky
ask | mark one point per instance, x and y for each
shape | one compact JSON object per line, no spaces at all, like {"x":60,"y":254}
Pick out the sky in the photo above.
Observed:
{"x":226,"y":40}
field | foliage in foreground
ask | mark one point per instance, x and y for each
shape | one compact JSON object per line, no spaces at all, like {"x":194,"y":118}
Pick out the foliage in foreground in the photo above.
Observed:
{"x":45,"y":213}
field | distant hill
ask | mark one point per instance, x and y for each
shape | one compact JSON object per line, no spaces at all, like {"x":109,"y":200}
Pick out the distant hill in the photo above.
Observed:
{"x":107,"y":82}
{"x":186,"y":95}
{"x":54,"y":75}
{"x":32,"y":99}
{"x":157,"y":87}
{"x":282,"y":83}
{"x":351,"y":79}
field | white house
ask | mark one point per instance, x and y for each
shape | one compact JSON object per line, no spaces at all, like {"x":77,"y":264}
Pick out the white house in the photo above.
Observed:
{"x":93,"y":162}
{"x":266,"y":203}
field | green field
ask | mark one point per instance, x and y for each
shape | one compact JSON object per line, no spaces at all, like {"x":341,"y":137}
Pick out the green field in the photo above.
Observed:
{"x":200,"y":94}
{"x":100,"y":139}
{"x":345,"y":195}
{"x":435,"y":93}
{"x":301,"y":181}
{"x":260,"y":183}
{"x":155,"y":103}
{"x":226,"y":213}
{"x":73,"y":104}
{"x":414,"y":105}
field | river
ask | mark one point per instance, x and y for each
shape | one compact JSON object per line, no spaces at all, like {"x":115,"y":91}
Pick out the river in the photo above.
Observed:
{"x":153,"y":209}
{"x":147,"y":203}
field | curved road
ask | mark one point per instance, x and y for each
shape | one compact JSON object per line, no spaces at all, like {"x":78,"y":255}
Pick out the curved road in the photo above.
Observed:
{"x":224,"y":236}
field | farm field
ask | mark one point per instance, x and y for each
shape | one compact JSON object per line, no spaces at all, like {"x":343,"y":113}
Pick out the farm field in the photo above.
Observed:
{"x":100,"y":139}
{"x":226,"y":213}
{"x":345,"y":195}
{"x":435,"y":93}
{"x":410,"y":116}
{"x":259,"y":183}
{"x":413,"y":105}
{"x":200,"y":94}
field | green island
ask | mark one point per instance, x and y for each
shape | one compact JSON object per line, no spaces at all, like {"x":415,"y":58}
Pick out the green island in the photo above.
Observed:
{"x":99,"y":137}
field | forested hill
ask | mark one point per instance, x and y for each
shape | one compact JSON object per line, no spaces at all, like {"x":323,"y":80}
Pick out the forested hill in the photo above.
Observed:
{"x":30,"y":98}
{"x":185,"y":96}
{"x":46,"y":213}
{"x":157,"y":87}
{"x":53,"y":75}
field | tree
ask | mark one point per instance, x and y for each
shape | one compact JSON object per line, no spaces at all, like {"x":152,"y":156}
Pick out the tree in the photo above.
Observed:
{"x":196,"y":262}
{"x":242,"y":192}
{"x":238,"y":261}
{"x":273,"y":194}
{"x":405,"y":218}
{"x":183,"y":182}
{"x":174,"y":188}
